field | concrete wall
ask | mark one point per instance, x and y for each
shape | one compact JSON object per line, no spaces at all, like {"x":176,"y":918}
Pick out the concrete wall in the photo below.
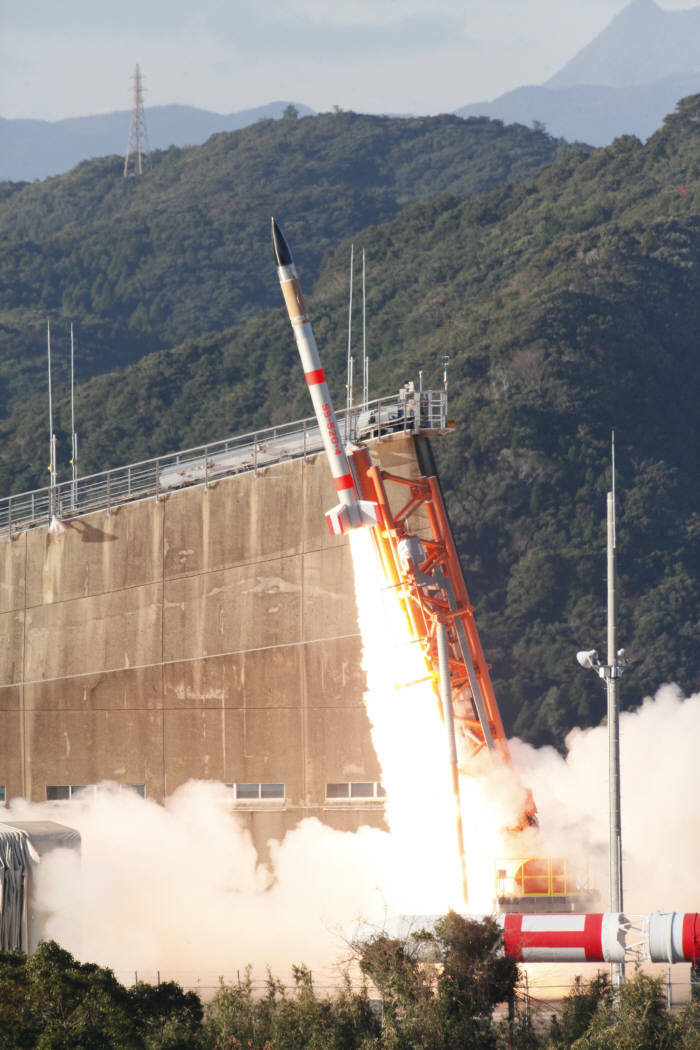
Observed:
{"x":211,"y":634}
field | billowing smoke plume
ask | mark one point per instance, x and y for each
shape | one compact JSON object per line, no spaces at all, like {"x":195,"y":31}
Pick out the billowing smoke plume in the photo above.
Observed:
{"x":178,"y":888}
{"x":660,"y":777}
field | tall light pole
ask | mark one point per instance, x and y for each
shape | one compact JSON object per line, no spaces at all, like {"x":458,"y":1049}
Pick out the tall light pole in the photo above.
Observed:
{"x":610,"y":672}
{"x":613,"y":670}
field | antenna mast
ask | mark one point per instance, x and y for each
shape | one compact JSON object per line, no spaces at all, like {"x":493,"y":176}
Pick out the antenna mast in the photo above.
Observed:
{"x":365,"y":360}
{"x":55,"y":525}
{"x":137,"y":146}
{"x":348,"y":385}
{"x":52,"y":436}
{"x":74,"y":436}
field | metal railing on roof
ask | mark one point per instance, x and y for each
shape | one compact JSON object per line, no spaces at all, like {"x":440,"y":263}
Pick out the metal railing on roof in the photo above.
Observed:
{"x":409,"y":411}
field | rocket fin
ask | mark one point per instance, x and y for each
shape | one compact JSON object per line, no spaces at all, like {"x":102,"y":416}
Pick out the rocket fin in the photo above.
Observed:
{"x":361,"y":513}
{"x":369,"y":512}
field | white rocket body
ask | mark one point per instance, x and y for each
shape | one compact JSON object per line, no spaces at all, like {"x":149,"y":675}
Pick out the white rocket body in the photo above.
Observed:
{"x":351,"y":512}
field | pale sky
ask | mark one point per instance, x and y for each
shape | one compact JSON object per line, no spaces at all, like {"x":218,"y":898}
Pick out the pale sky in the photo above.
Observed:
{"x":63,"y":58}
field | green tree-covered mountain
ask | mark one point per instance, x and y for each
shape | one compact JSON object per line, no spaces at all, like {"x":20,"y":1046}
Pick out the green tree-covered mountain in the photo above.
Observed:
{"x":140,"y":264}
{"x":569,"y":306}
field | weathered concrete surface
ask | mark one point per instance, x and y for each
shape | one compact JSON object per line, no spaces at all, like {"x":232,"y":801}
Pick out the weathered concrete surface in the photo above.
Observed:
{"x":13,"y":567}
{"x":97,"y":554}
{"x":210,"y":634}
{"x":99,"y":632}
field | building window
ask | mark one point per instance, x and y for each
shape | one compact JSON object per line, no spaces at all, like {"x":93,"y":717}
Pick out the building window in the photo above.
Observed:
{"x":2,"y":795}
{"x":257,"y":792}
{"x":359,"y":789}
{"x":67,"y":792}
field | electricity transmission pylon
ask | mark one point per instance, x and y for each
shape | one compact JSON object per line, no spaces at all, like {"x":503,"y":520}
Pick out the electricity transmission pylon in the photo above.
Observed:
{"x":137,"y":146}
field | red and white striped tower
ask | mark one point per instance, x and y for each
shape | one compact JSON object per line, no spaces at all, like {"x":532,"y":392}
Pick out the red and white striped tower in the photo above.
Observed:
{"x":563,"y":938}
{"x":575,"y":937}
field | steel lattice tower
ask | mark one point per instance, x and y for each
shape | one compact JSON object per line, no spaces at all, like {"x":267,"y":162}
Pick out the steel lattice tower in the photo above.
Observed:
{"x":137,"y":146}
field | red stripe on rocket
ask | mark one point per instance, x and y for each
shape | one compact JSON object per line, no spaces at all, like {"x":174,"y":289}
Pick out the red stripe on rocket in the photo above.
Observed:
{"x":351,"y":512}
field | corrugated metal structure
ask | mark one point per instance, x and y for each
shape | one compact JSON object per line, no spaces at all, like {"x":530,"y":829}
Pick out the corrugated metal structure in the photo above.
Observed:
{"x":22,"y":845}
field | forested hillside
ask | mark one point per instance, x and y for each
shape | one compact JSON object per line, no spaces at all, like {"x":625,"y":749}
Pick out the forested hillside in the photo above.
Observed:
{"x":140,"y":264}
{"x":569,"y":305}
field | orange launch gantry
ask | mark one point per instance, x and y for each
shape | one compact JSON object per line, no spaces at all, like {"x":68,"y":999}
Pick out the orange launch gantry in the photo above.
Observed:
{"x":423,"y":569}
{"x":427,"y":576}
{"x":430,"y":585}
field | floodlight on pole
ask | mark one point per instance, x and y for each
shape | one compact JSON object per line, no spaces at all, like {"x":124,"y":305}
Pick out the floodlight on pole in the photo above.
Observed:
{"x":588,"y":658}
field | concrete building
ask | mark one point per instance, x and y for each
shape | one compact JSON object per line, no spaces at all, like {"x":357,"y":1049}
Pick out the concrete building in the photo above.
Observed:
{"x":207,"y":633}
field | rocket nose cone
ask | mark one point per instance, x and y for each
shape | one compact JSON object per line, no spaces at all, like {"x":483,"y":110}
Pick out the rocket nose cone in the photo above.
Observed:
{"x":282,"y":252}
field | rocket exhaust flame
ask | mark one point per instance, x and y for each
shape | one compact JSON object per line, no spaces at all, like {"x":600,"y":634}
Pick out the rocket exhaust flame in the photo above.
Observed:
{"x":448,"y":823}
{"x":409,"y":740}
{"x":447,"y":714}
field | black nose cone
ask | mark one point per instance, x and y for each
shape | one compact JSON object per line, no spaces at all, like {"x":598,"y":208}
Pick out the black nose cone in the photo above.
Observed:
{"x":282,"y":252}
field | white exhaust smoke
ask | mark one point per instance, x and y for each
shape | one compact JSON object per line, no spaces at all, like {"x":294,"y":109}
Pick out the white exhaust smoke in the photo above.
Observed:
{"x":660,"y":778}
{"x":178,"y":888}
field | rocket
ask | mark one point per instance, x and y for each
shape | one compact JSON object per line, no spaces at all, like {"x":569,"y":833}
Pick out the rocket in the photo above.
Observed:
{"x":351,"y":512}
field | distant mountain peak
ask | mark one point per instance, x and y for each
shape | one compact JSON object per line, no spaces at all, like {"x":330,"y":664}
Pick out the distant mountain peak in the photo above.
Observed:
{"x":636,"y":9}
{"x":642,"y":44}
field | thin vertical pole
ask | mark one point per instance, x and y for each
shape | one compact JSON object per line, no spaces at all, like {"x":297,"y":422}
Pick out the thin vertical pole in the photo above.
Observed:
{"x":52,"y":437}
{"x":445,"y":362}
{"x":448,"y":714}
{"x":74,"y":436}
{"x":613,"y":673}
{"x":48,"y":353}
{"x":365,"y":363}
{"x":348,"y":387}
